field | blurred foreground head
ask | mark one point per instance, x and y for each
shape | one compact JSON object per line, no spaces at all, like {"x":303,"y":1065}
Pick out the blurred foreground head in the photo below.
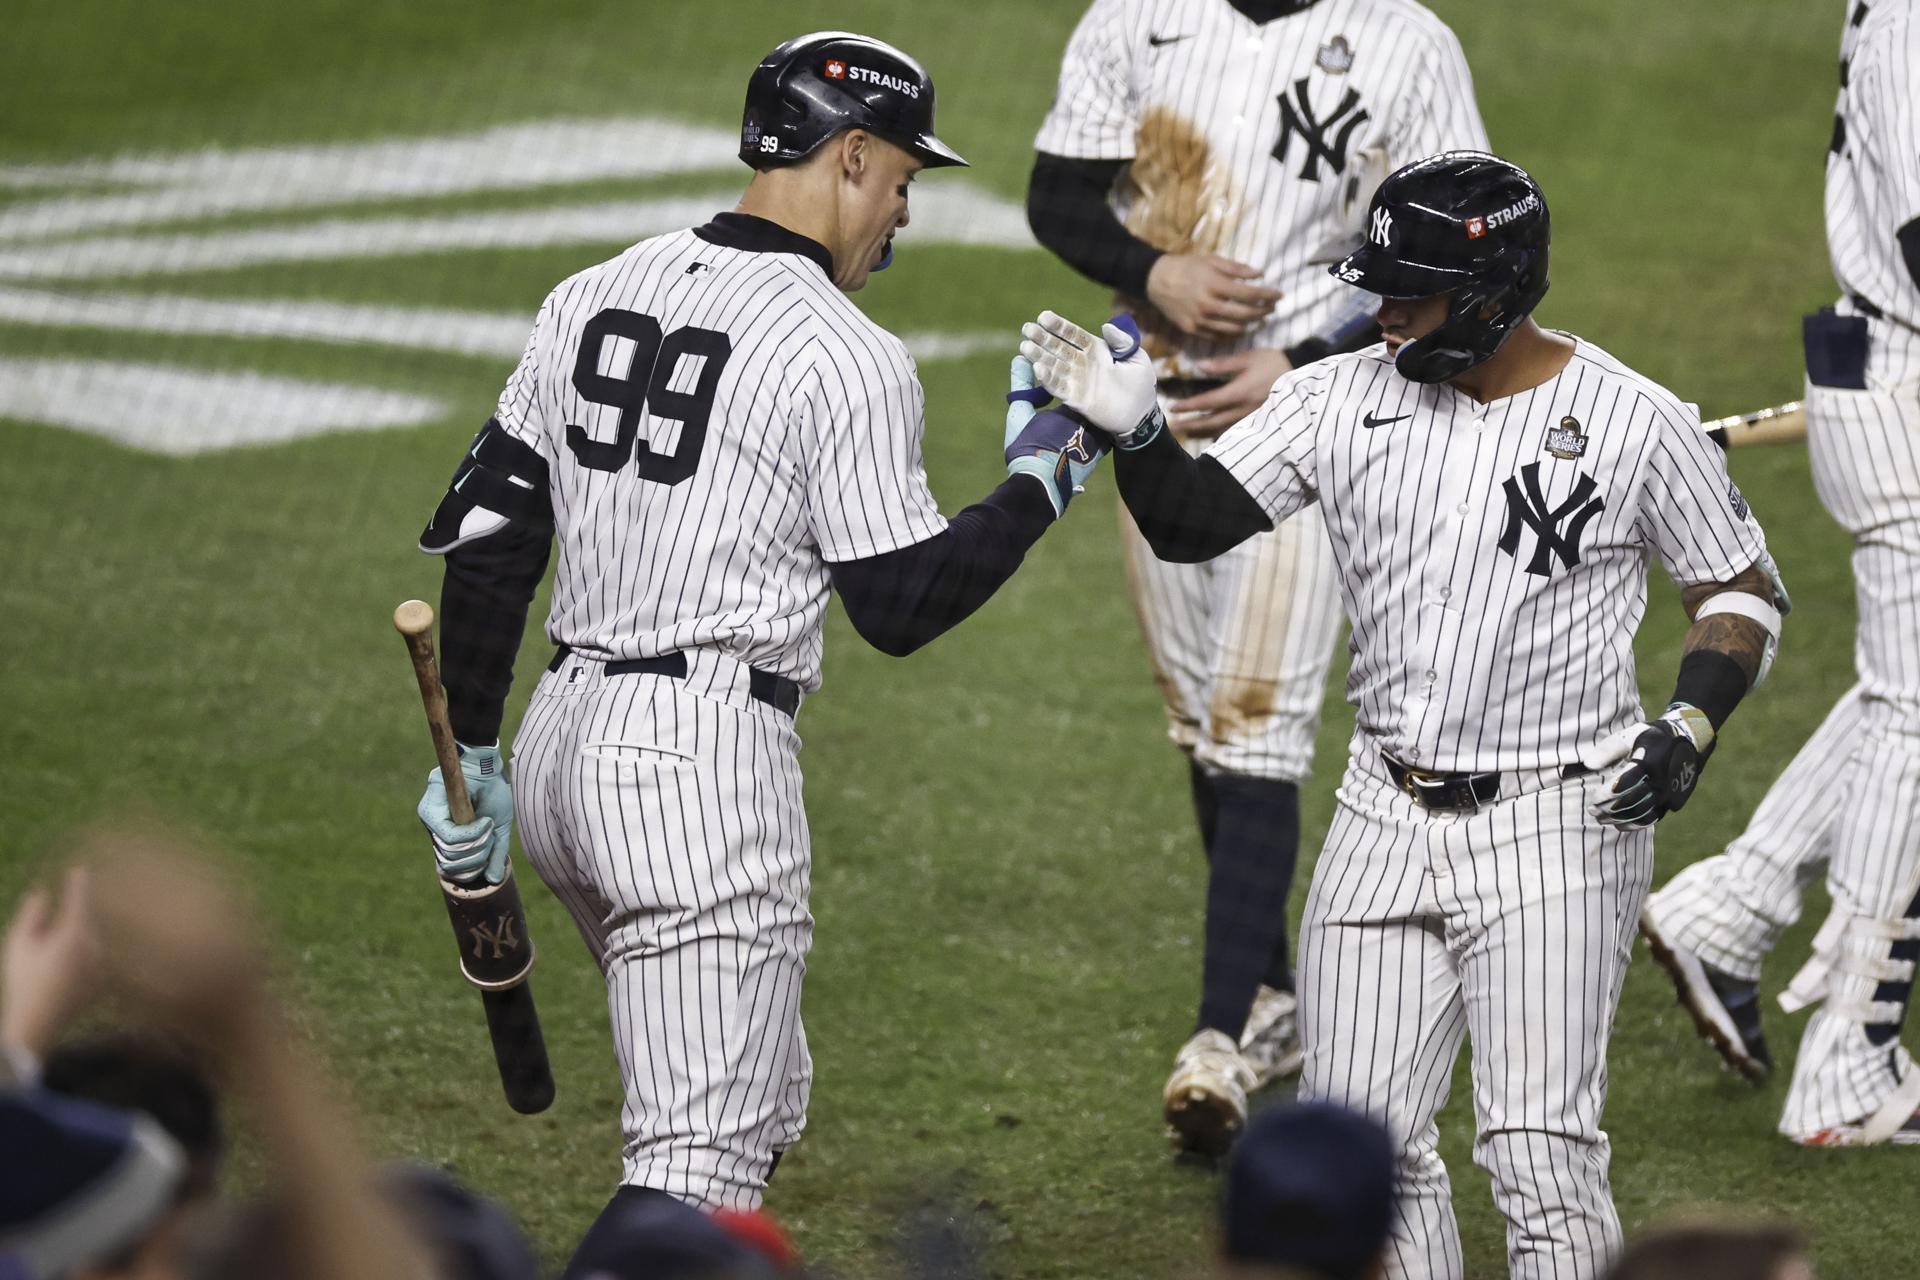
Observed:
{"x":1716,"y":1251}
{"x":85,"y":1191}
{"x":648,"y":1235}
{"x":152,"y":1077}
{"x":1310,"y":1193}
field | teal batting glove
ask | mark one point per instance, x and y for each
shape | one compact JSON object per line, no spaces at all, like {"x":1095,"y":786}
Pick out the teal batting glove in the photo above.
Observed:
{"x":474,"y":853}
{"x":1055,"y":447}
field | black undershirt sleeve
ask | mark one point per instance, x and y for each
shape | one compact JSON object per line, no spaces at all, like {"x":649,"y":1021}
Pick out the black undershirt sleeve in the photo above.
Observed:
{"x":1188,"y":509}
{"x":483,"y":614}
{"x":1909,"y":237}
{"x":901,"y":599}
{"x":1068,"y":210}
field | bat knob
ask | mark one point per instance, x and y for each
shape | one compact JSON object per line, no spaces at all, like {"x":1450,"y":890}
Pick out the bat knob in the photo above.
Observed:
{"x":413,"y":618}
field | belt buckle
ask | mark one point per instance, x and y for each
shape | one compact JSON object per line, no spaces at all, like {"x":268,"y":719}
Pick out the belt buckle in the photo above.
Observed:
{"x":1424,"y":783}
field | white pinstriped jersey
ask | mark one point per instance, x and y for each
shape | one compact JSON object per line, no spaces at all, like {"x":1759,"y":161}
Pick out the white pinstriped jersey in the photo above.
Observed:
{"x":1493,"y":557}
{"x":780,"y":431}
{"x":1873,"y":171}
{"x":1302,"y":117}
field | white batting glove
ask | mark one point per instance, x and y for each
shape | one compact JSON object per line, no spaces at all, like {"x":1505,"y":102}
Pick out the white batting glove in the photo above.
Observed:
{"x":1088,"y":373}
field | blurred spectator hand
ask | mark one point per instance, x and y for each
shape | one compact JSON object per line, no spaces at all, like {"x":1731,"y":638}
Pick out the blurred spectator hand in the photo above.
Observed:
{"x":49,"y":969}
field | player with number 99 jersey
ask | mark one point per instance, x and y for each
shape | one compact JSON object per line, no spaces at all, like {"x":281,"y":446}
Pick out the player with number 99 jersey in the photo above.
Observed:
{"x":714,"y":437}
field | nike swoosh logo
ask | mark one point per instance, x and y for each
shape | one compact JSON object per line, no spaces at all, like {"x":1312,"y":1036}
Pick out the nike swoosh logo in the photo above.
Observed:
{"x":1370,"y":422}
{"x":1157,"y":41}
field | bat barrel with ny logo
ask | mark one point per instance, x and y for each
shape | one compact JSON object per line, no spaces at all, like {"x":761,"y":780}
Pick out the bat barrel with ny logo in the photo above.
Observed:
{"x":489,"y":922}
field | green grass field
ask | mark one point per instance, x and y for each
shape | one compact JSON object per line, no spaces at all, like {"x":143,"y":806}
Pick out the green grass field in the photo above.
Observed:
{"x":1007,"y":882}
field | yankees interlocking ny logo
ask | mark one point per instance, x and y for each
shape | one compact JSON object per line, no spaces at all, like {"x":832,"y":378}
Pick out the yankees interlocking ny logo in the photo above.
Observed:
{"x":500,"y":936}
{"x":1382,"y":231}
{"x":1297,"y":117}
{"x":1531,"y":509}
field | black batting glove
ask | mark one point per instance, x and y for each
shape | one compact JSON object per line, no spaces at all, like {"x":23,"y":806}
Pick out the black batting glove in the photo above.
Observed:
{"x":1650,"y":769}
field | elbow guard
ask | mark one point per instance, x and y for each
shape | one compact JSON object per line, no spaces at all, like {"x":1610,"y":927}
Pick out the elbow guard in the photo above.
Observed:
{"x":502,"y":480}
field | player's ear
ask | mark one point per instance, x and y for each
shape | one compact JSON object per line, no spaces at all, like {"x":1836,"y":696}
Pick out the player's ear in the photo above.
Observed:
{"x":855,"y":153}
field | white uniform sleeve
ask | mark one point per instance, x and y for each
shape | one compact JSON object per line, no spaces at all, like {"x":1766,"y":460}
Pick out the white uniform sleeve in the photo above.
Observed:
{"x":1436,"y":110}
{"x":1271,"y":452}
{"x":525,"y":401}
{"x":1691,"y":513}
{"x":1884,"y":106}
{"x":1094,"y":115}
{"x":863,"y":414}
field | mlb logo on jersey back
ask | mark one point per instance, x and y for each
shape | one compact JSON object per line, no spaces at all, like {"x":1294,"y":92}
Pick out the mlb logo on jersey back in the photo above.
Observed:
{"x":836,"y":69}
{"x":1476,"y":227}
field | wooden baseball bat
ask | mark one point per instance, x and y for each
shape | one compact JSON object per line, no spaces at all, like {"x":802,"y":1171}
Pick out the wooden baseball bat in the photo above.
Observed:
{"x":1780,"y":424}
{"x":489,"y":922}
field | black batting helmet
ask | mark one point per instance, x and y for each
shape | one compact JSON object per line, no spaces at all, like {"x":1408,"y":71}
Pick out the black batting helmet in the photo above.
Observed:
{"x":812,"y":87}
{"x":1466,"y":224}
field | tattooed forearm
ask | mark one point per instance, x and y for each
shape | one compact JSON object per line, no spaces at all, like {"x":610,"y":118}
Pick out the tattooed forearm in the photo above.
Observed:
{"x":1740,"y":638}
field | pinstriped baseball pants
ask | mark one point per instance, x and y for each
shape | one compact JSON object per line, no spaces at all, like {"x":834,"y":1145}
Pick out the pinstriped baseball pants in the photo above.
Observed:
{"x":1240,"y":644}
{"x":1850,"y":800}
{"x":666,"y":814}
{"x":1511,"y":928}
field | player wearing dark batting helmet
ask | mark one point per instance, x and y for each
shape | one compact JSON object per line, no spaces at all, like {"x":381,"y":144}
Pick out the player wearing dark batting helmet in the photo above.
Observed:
{"x":1493,"y":491}
{"x":709,"y":439}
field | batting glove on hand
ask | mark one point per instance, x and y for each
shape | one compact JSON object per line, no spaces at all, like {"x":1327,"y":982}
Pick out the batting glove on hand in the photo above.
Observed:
{"x":471,"y":853}
{"x":1055,"y":447}
{"x":1107,"y":379}
{"x":1652,"y":767}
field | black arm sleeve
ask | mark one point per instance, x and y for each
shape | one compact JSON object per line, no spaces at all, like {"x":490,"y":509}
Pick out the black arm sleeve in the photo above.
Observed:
{"x":483,"y":614}
{"x":1909,"y":237}
{"x":900,"y":600}
{"x":1068,"y":211}
{"x":1188,"y":509}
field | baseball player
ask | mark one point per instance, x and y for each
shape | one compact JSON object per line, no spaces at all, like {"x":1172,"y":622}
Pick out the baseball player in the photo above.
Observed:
{"x":1208,"y":160}
{"x":713,"y":436}
{"x":1851,"y":798}
{"x":1493,"y":492}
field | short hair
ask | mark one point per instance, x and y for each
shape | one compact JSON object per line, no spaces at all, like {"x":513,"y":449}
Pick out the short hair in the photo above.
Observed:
{"x":155,"y":1078}
{"x":1710,"y":1251}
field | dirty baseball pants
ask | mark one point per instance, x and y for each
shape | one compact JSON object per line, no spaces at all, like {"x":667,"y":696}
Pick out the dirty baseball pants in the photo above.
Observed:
{"x":1850,"y":800}
{"x":1240,"y":647}
{"x":1511,"y":927}
{"x":666,"y":814}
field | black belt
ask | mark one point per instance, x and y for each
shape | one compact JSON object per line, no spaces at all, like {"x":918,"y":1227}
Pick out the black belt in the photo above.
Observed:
{"x":1187,"y":388}
{"x":1452,"y":792}
{"x":1867,"y":308}
{"x":776,"y":691}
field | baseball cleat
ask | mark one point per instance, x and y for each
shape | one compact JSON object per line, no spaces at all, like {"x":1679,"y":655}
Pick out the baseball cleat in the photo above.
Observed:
{"x":1205,"y":1102}
{"x":1725,"y":1009}
{"x":1856,"y":1135}
{"x":1895,"y":1124}
{"x":1271,"y":1043}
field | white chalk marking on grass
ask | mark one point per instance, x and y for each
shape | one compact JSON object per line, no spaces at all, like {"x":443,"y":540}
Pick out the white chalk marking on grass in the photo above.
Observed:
{"x":466,"y":333}
{"x":501,"y":334}
{"x":959,"y":215}
{"x":212,"y":182}
{"x":175,"y":410}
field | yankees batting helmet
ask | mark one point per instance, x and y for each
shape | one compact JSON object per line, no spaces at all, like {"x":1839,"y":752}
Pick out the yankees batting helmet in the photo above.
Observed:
{"x":813,"y":87}
{"x":1466,"y":224}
